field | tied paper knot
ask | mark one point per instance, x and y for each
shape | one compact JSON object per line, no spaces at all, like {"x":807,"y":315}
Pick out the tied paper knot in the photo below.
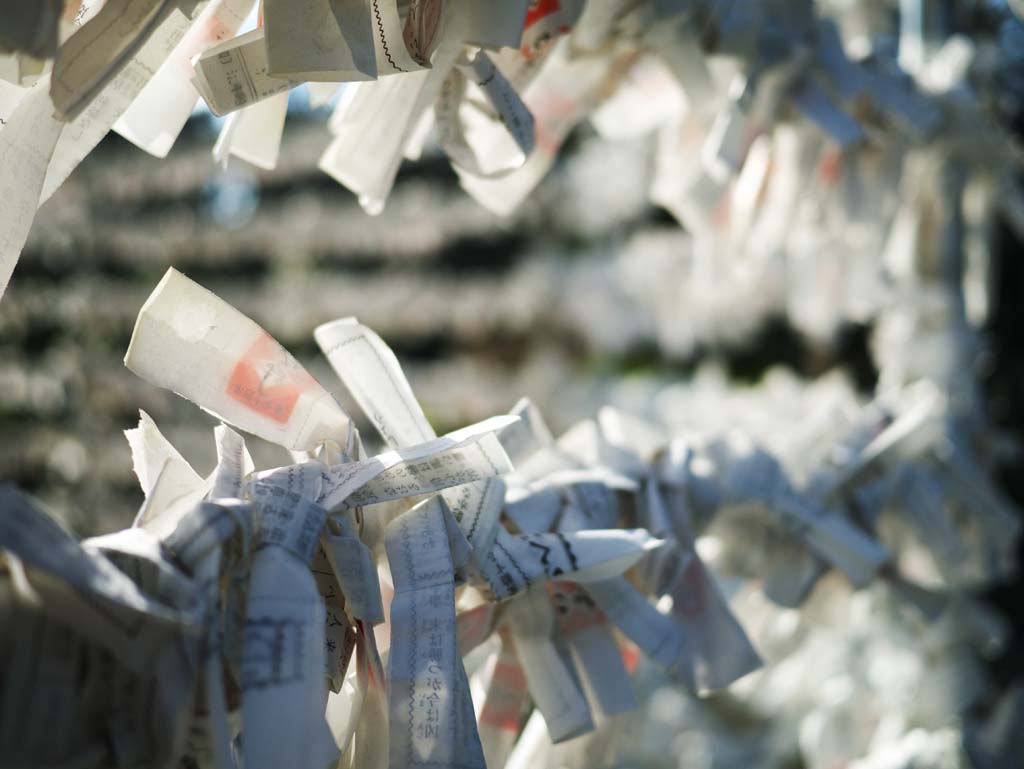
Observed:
{"x":287,"y":520}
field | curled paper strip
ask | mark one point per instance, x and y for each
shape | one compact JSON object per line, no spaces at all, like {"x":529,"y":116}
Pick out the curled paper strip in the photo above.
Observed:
{"x":455,"y":115}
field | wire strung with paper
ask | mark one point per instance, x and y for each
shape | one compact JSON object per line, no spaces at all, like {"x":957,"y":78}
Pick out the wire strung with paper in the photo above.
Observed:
{"x":748,"y":100}
{"x":413,"y":607}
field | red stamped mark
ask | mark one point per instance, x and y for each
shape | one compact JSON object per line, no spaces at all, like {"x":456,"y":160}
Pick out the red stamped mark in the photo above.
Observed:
{"x":574,"y":609}
{"x":544,"y":22}
{"x":539,"y":9}
{"x":71,"y":10}
{"x":268,"y":380}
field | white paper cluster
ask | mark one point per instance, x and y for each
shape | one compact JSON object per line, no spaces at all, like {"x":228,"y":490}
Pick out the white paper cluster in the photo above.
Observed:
{"x":788,"y":142}
{"x":413,"y":607}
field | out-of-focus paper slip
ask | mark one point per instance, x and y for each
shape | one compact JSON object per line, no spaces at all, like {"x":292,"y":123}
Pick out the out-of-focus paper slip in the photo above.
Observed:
{"x":10,"y":70}
{"x":550,"y":679}
{"x":648,"y":97}
{"x":376,"y":120}
{"x":254,"y":133}
{"x":495,"y":25}
{"x":528,"y":435}
{"x":596,"y":23}
{"x":155,"y":119}
{"x":342,"y":44}
{"x":595,"y":653}
{"x":192,"y":342}
{"x":815,"y":104}
{"x":832,"y":536}
{"x":381,"y":120}
{"x":546,"y":21}
{"x":932,"y":520}
{"x":95,"y":53}
{"x":27,"y":142}
{"x":909,"y":422}
{"x":566,"y":92}
{"x":504,"y":702}
{"x":85,"y":131}
{"x":849,"y":78}
{"x":55,"y":683}
{"x":139,"y":554}
{"x":751,"y":476}
{"x":10,"y":95}
{"x":462,"y":125}
{"x":717,"y":651}
{"x":41,"y":712}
